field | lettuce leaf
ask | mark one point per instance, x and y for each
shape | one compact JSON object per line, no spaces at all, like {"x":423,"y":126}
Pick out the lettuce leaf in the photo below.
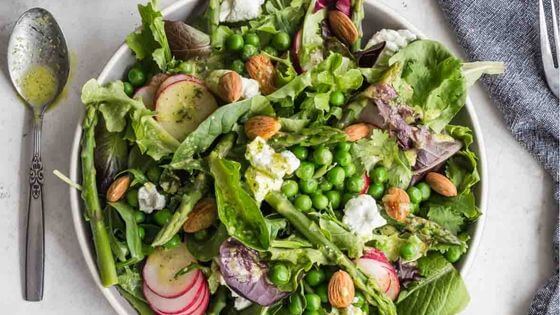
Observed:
{"x":280,"y":16}
{"x":441,"y":291}
{"x":151,"y":40}
{"x":462,"y":167}
{"x":337,"y":233}
{"x":311,"y":49}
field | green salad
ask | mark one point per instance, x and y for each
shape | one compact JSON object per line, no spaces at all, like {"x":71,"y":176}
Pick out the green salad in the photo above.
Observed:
{"x":266,"y":158}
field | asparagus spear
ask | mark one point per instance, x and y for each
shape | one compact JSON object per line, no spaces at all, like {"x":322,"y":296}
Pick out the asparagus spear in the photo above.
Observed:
{"x":312,"y":232}
{"x":105,"y":261}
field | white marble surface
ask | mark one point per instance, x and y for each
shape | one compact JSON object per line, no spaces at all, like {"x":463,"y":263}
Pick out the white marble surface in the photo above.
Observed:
{"x":515,"y":256}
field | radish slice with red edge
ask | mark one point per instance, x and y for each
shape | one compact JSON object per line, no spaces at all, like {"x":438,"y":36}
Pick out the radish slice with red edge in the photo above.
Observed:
{"x":162,"y":266}
{"x":146,"y":94}
{"x":176,"y":78}
{"x":199,"y":307}
{"x":180,"y":304}
{"x":376,"y":265}
{"x":367,"y":182}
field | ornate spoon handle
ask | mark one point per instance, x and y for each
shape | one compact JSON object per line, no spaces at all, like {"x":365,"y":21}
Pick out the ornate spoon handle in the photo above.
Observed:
{"x":35,"y":244}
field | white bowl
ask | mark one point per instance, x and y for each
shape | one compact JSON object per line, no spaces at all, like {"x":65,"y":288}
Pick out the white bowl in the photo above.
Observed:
{"x":378,"y":16}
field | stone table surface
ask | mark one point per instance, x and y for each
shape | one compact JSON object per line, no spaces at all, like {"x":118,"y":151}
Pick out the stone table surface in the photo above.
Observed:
{"x":514,"y":257}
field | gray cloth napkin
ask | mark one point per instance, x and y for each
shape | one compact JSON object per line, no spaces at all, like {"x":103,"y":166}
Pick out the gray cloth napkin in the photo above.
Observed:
{"x":508,"y":31}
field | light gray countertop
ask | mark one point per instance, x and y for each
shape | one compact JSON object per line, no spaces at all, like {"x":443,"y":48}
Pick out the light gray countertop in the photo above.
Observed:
{"x":514,"y":259}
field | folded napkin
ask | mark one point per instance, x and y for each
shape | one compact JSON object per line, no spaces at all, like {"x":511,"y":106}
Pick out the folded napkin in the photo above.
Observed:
{"x":508,"y":31}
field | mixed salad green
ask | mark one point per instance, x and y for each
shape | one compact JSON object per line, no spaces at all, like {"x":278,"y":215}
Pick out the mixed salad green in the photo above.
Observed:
{"x":266,"y":159}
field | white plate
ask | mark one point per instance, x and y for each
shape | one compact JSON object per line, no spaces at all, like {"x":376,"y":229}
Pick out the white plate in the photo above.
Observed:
{"x":378,"y":16}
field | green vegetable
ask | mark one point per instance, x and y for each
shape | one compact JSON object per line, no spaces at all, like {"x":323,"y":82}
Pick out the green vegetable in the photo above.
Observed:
{"x":425,"y":189}
{"x":349,"y":169}
{"x":336,"y":98}
{"x":237,"y":210}
{"x":290,"y":188}
{"x":310,"y":53}
{"x":343,"y":158}
{"x":252,"y":39}
{"x":379,"y":174}
{"x":357,"y":17}
{"x":315,"y":277}
{"x":132,"y":198}
{"x":408,"y":251}
{"x":100,"y":235}
{"x":303,"y":203}
{"x":322,"y":292}
{"x":339,"y":234}
{"x":110,"y":155}
{"x":305,"y":170}
{"x":173,"y":242}
{"x":308,"y":186}
{"x":279,"y":274}
{"x":139,"y":305}
{"x":414,"y":194}
{"x":472,"y":71}
{"x":271,"y":51}
{"x":354,"y":184}
{"x":281,"y":41}
{"x":452,"y":212}
{"x":376,"y":190}
{"x":248,"y":51}
{"x":153,"y":174}
{"x":453,"y":254}
{"x":162,"y":217}
{"x":344,"y":146}
{"x":322,"y":156}
{"x":200,"y":235}
{"x":128,"y":89}
{"x":296,"y":306}
{"x":218,"y":302}
{"x":133,"y":239}
{"x":238,"y":66}
{"x":308,"y":137}
{"x":234,"y":42}
{"x":320,"y":201}
{"x":462,"y":167}
{"x":334,"y":198}
{"x":139,"y":216}
{"x":441,"y":291}
{"x":430,"y":232}
{"x":141,"y":232}
{"x":312,"y":232}
{"x":300,"y":152}
{"x":205,"y":250}
{"x":136,"y":77}
{"x":151,"y":39}
{"x":313,"y":302}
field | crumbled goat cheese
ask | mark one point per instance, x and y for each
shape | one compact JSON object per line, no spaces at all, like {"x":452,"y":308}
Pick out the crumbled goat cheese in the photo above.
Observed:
{"x":250,"y":88}
{"x":240,"y":10}
{"x":394,"y":40}
{"x":362,"y":216}
{"x":150,"y":199}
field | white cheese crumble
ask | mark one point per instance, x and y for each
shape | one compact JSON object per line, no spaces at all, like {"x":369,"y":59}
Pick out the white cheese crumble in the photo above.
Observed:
{"x":250,"y":88}
{"x":150,"y":199}
{"x":268,"y":168}
{"x":240,"y":10}
{"x":394,"y":40}
{"x":362,"y":216}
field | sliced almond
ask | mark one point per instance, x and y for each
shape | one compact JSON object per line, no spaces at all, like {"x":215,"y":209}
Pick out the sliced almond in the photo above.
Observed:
{"x":343,"y":27}
{"x":261,"y":69}
{"x":202,"y":216}
{"x":230,"y":87}
{"x":396,"y":203}
{"x":358,"y":131}
{"x":262,"y":126}
{"x":441,"y":184}
{"x":341,"y":289}
{"x":118,"y":188}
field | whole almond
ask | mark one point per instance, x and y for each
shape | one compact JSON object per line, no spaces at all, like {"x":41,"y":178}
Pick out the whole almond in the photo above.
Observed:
{"x":396,"y":203}
{"x":358,"y":131}
{"x":262,"y":126}
{"x":441,"y":184}
{"x":343,"y":27}
{"x":202,"y":216}
{"x":261,"y":69}
{"x":118,"y":188}
{"x":341,"y":290}
{"x":230,"y":87}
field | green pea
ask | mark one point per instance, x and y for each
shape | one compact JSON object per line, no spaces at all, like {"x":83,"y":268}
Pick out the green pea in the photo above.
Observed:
{"x":408,"y":251}
{"x":173,"y":242}
{"x":279,"y":274}
{"x":238,"y":66}
{"x":359,"y":298}
{"x":154,"y":173}
{"x":310,"y":312}
{"x":376,"y":190}
{"x":252,"y":39}
{"x":315,"y":277}
{"x":271,"y":51}
{"x":325,"y":186}
{"x":414,"y":207}
{"x":136,"y":77}
{"x":355,"y":184}
{"x":414,"y":194}
{"x":141,"y":232}
{"x":322,"y":292}
{"x":248,"y":51}
{"x":320,"y":201}
{"x":336,"y":175}
{"x":303,"y":203}
{"x":234,"y":42}
{"x":290,"y":188}
{"x":296,"y":306}
{"x":308,"y":186}
{"x":200,"y":235}
{"x":322,"y":156}
{"x":139,"y":216}
{"x":453,"y":254}
{"x":350,"y":170}
{"x":300,"y":152}
{"x":132,"y":198}
{"x":281,"y":41}
{"x":343,"y":158}
{"x":379,"y":174}
{"x":425,"y":190}
{"x":337,"y":98}
{"x":128,"y":89}
{"x":344,"y":146}
{"x":346,"y":197}
{"x":162,"y":217}
{"x":305,"y":170}
{"x":313,"y":302}
{"x":186,"y":67}
{"x":334,"y":198}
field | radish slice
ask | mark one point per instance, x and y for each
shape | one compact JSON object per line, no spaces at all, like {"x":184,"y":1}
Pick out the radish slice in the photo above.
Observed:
{"x":162,"y":266}
{"x":203,"y":305}
{"x":176,"y":78}
{"x":198,"y":307}
{"x":375,"y":265}
{"x":367,"y":182}
{"x":180,"y":304}
{"x":146,"y":94}
{"x":158,"y":79}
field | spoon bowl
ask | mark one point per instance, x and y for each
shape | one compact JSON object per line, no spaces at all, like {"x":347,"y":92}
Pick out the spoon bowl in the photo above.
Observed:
{"x":38,"y":64}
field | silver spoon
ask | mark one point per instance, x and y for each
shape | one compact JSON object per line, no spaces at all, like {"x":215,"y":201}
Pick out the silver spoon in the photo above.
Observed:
{"x":38,"y":65}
